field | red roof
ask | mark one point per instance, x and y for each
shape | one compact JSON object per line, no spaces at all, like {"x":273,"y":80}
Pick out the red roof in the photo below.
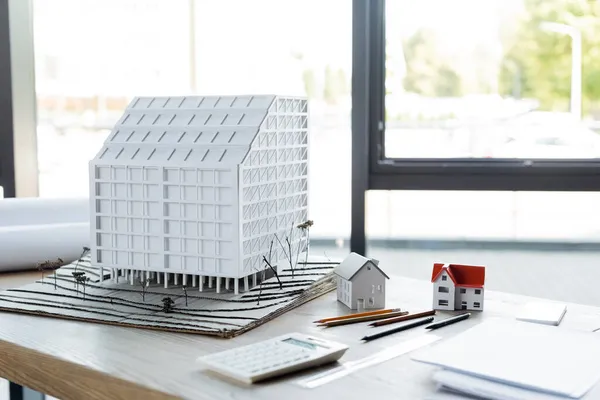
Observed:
{"x":472,"y":276}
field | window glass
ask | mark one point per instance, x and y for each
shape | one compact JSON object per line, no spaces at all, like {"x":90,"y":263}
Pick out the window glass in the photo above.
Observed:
{"x":86,"y":74}
{"x":492,"y":79}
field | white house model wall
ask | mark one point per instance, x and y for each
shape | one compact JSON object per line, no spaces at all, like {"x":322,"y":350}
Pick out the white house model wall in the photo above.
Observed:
{"x":201,"y":187}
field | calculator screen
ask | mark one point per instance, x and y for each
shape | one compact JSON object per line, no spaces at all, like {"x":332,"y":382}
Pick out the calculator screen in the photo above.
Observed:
{"x":302,"y":343}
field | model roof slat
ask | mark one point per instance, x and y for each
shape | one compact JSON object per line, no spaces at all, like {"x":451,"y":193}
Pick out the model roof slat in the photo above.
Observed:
{"x":189,"y":118}
{"x":184,"y":136}
{"x":245,"y":102}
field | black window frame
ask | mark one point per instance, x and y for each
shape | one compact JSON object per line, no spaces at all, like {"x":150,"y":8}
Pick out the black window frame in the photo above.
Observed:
{"x":7,"y":155}
{"x":371,"y":170}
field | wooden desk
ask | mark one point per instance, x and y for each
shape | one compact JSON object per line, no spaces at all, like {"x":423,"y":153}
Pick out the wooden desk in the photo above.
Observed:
{"x":75,"y":360}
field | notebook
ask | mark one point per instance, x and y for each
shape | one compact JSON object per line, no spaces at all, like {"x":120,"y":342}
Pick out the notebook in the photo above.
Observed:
{"x":540,"y":312}
{"x":542,"y":358}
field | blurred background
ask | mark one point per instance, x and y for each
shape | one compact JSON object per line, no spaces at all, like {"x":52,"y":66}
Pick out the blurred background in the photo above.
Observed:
{"x":464,"y":79}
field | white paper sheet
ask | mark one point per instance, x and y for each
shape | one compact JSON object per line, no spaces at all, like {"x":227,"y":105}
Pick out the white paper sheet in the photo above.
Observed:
{"x":542,"y":312}
{"x":43,"y":211}
{"x":22,"y":247}
{"x":539,"y":357}
{"x":470,"y":385}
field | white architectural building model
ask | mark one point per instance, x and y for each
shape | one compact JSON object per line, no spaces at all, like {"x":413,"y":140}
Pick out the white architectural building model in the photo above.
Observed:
{"x":201,"y":187}
{"x":360,"y":282}
{"x":457,"y":287}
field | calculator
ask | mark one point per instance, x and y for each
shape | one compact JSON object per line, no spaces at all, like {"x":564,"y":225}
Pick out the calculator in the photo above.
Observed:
{"x":270,"y":358}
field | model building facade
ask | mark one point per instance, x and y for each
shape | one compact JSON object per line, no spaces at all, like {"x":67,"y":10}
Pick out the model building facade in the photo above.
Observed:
{"x":201,"y":186}
{"x":457,"y":287}
{"x":360,"y":281}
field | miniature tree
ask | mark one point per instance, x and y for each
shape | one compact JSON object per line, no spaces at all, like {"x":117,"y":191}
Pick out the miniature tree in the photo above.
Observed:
{"x":285,"y":252}
{"x":40,"y":267}
{"x":185,"y":293}
{"x":85,"y":251}
{"x":274,"y":271}
{"x":81,"y":280}
{"x":77,"y":274}
{"x":50,"y":265}
{"x":55,"y":267}
{"x":288,"y":240}
{"x":264,"y":271}
{"x":76,"y":278}
{"x":292,"y":266}
{"x":144,"y":283}
{"x":167,"y":304}
{"x":305,"y":226}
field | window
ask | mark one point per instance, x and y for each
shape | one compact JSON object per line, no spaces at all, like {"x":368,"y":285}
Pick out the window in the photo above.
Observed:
{"x":443,"y":302}
{"x":379,"y":288}
{"x":477,"y":291}
{"x":463,"y":290}
{"x":372,"y":289}
{"x":427,"y":64}
{"x":443,"y":289}
{"x":422,"y":147}
{"x":444,"y":278}
{"x":476,"y":304}
{"x":371,"y":301}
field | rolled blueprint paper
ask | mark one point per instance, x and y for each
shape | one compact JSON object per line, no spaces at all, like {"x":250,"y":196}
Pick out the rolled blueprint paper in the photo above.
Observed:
{"x":42,"y":211}
{"x":22,"y":247}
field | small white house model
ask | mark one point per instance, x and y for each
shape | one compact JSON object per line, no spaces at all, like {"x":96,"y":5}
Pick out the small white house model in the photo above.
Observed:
{"x":201,"y":187}
{"x":457,"y":287}
{"x":360,"y":281}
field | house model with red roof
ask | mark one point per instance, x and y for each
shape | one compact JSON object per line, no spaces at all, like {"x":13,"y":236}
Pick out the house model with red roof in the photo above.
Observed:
{"x":457,"y":287}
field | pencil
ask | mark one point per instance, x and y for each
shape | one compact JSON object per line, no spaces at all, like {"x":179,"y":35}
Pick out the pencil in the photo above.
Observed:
{"x":403,"y":318}
{"x":398,"y":329}
{"x":363,"y":314}
{"x":363,"y":319}
{"x":448,"y":321}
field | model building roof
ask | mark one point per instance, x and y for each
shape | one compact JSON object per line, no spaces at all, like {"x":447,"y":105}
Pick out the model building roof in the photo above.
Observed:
{"x":193,"y":130}
{"x":462,"y":275}
{"x":353,"y":263}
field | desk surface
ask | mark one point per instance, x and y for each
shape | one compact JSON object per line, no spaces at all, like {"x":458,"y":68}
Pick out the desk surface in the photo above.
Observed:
{"x":69,"y":359}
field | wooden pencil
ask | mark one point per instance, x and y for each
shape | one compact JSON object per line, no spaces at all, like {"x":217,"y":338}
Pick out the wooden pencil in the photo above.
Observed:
{"x":363,"y":319}
{"x":363,"y":314}
{"x":403,"y":318}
